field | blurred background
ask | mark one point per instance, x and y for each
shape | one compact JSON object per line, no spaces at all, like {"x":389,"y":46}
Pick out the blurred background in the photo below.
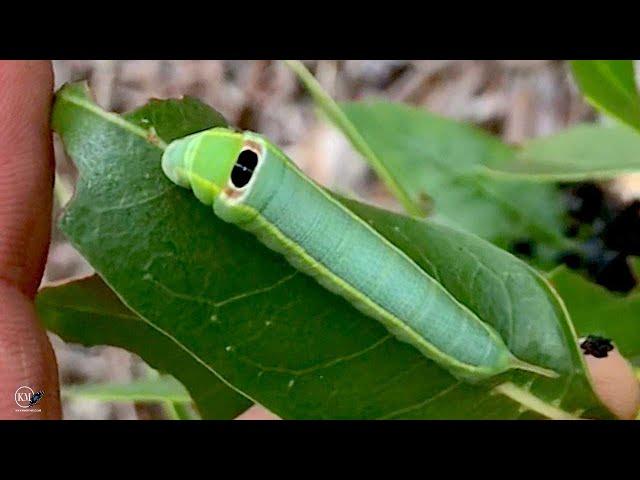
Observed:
{"x":515,"y":100}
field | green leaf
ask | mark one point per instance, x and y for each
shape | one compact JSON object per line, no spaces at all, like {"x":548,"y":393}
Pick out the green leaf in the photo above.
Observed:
{"x":610,"y":86}
{"x":447,"y":159}
{"x":584,"y":152}
{"x":414,"y":204}
{"x":86,"y":311}
{"x":597,"y":311}
{"x":169,"y":120}
{"x":162,"y":389}
{"x":275,"y":334}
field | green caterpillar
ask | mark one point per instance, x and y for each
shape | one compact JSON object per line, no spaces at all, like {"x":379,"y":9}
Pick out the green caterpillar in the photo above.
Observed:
{"x":252,"y":184}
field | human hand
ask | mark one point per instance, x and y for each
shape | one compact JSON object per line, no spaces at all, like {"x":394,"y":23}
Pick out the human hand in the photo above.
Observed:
{"x":26,"y":181}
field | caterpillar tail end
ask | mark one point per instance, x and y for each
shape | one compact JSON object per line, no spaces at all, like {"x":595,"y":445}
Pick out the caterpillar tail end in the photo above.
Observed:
{"x":529,"y":367}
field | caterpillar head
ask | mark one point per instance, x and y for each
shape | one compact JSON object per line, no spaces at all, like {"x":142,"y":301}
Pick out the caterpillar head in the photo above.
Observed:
{"x":212,"y":161}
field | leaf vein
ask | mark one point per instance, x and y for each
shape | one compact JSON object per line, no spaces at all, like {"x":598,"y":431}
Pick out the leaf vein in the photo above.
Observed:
{"x":422,"y":404}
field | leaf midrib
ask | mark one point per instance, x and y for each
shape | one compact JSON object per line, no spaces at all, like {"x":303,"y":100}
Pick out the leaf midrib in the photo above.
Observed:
{"x":608,"y":73}
{"x":633,"y":106}
{"x":113,"y":118}
{"x":343,"y":123}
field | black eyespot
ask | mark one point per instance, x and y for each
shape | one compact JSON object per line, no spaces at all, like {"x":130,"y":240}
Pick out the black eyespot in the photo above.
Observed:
{"x":243,"y":168}
{"x":599,"y":347}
